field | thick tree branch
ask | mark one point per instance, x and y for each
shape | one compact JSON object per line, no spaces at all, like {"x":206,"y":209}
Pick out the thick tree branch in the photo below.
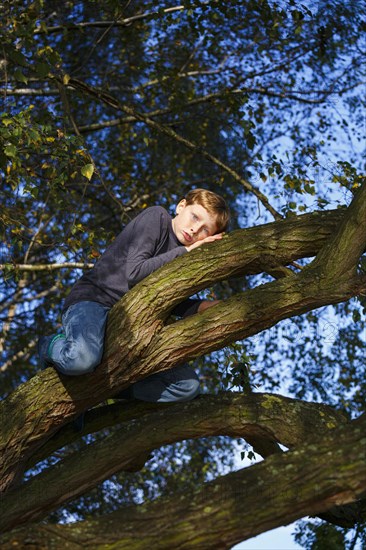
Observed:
{"x":272,"y":417}
{"x":307,"y":481}
{"x":46,"y":267}
{"x":95,"y":420}
{"x":111,"y":415}
{"x":239,"y":317}
{"x":339,"y":258}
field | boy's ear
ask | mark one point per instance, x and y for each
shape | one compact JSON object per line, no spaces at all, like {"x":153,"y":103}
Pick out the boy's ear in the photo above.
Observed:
{"x":181,"y":204}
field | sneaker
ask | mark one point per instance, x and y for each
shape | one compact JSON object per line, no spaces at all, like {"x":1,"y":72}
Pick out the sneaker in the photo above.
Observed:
{"x":43,"y":345}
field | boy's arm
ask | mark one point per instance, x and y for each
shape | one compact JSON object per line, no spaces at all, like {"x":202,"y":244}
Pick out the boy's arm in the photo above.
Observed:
{"x":141,"y":258}
{"x":205,"y":304}
{"x":143,"y":265}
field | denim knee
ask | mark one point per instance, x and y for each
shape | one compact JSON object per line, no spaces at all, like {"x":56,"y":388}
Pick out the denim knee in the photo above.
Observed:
{"x":81,"y":361}
{"x":78,"y":368}
{"x":84,"y":326}
{"x":191,"y":389}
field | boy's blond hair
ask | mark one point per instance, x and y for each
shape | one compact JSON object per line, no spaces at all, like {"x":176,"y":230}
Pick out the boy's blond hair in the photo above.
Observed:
{"x":213,"y":203}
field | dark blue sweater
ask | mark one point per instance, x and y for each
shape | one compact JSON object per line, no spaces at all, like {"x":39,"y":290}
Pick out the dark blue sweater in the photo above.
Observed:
{"x":144,"y":245}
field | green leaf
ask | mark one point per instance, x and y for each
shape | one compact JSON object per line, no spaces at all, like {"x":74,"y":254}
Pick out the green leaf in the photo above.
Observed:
{"x":309,"y":189}
{"x":250,"y":140}
{"x":88,"y":171}
{"x":20,"y":76}
{"x":10,"y":151}
{"x":263,"y":177}
{"x":356,"y":316}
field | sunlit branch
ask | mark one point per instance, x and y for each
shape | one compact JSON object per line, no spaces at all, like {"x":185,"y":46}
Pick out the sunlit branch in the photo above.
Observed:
{"x":329,"y":469}
{"x":133,"y":90}
{"x":229,"y":414}
{"x":11,"y":313}
{"x":18,"y":294}
{"x":203,"y":152}
{"x":22,"y":354}
{"x":46,"y":267}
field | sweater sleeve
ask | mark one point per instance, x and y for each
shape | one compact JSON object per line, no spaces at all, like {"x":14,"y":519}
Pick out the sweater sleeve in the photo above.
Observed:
{"x":143,"y":250}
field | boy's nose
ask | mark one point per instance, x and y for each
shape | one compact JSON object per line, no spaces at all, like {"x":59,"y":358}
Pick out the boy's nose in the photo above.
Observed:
{"x":195,"y":228}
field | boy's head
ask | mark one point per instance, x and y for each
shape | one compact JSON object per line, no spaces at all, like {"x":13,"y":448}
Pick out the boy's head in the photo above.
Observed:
{"x":200,"y":214}
{"x":213,"y":203}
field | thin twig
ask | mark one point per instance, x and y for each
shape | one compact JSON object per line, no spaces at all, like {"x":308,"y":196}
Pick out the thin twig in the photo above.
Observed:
{"x":106,"y":24}
{"x":113,"y":102}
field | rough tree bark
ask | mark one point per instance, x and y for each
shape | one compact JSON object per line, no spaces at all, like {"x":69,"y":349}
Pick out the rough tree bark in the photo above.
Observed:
{"x":139,"y":342}
{"x":330,"y":470}
{"x":257,"y":416}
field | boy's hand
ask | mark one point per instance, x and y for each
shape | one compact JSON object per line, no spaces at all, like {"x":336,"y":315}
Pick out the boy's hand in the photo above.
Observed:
{"x":205,"y":304}
{"x":203,"y":241}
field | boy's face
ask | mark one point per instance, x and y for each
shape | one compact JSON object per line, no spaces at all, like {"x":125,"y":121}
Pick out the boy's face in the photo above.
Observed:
{"x":193,"y":223}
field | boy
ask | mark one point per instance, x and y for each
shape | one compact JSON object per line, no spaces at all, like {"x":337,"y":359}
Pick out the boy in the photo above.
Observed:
{"x":149,"y":241}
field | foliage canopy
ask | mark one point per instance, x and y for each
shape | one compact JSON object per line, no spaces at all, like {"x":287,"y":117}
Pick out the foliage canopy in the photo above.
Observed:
{"x":110,"y":107}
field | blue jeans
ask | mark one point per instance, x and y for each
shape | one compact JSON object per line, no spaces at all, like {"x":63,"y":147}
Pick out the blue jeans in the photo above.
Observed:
{"x":81,"y":351}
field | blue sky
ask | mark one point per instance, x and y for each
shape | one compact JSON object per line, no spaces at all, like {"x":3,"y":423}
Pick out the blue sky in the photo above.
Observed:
{"x":277,"y":539}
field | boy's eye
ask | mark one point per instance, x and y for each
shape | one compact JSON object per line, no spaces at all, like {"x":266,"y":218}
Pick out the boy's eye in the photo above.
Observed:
{"x":195,"y":217}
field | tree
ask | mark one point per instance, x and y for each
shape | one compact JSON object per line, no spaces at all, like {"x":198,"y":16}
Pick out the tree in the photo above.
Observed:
{"x":139,"y":82}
